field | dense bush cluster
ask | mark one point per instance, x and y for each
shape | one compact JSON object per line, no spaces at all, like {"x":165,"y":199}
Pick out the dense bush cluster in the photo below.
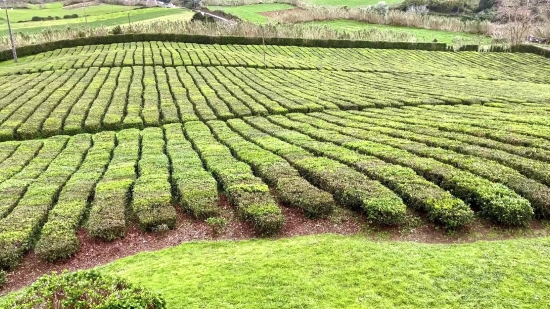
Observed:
{"x":85,"y":289}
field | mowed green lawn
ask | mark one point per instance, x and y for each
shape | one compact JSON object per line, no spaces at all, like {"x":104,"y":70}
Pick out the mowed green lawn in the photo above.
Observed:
{"x":252,"y":12}
{"x":107,"y":20}
{"x":331,"y":271}
{"x":421,"y":34}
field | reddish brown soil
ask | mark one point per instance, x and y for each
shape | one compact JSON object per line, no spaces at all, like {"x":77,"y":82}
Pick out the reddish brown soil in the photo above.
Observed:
{"x":95,"y":252}
{"x":272,"y":14}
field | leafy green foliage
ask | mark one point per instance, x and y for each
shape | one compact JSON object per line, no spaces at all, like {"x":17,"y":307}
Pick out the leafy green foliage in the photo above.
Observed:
{"x":85,"y":289}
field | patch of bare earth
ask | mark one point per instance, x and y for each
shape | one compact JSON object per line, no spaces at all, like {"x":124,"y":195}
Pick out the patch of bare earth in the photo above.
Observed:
{"x":273,"y":14}
{"x":95,"y":252}
{"x":81,"y":5}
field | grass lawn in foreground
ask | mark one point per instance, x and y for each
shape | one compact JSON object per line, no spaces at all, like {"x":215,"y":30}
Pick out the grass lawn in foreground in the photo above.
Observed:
{"x":252,"y":12}
{"x":107,"y":20}
{"x":330,"y":271}
{"x":422,"y":34}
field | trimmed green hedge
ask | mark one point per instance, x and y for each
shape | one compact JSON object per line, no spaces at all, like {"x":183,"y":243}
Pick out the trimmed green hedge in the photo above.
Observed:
{"x":222,"y":40}
{"x":85,"y":289}
{"x":3,"y":277}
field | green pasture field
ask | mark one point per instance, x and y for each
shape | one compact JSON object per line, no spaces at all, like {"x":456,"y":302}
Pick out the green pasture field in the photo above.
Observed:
{"x":106,"y":18}
{"x":252,"y":12}
{"x":423,"y":35}
{"x":56,"y":9}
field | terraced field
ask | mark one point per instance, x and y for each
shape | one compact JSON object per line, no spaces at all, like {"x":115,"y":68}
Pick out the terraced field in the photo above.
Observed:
{"x":96,"y":137}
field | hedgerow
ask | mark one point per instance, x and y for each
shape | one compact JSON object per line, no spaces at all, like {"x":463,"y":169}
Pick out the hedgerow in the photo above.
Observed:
{"x":349,"y":187}
{"x":19,"y":229}
{"x":417,"y":192}
{"x":152,"y":196}
{"x":496,"y":201}
{"x":112,"y":194}
{"x":431,"y":128}
{"x":196,"y":189}
{"x":275,"y":171}
{"x":13,"y":189}
{"x":58,"y":236}
{"x":246,"y":192}
{"x":538,"y":194}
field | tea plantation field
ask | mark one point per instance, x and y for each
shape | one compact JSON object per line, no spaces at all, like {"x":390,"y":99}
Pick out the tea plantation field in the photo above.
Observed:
{"x":99,"y":136}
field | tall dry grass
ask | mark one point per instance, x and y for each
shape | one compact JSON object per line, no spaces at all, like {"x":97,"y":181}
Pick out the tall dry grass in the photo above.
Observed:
{"x":393,"y":17}
{"x":216,"y":29}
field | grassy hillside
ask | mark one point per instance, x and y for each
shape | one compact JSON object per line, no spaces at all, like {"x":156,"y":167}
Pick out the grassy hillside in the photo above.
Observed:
{"x":254,"y":13}
{"x":97,"y":16}
{"x":328,"y":271}
{"x":56,"y":9}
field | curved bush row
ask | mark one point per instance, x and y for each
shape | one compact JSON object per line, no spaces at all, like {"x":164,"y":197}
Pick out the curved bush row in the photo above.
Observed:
{"x":7,"y":150}
{"x":349,"y":187}
{"x":431,"y":128}
{"x":58,"y":236}
{"x":76,"y":116}
{"x":19,"y":158}
{"x":19,"y":228}
{"x":222,"y":40}
{"x":204,"y":112}
{"x":246,"y":192}
{"x":14,"y":188}
{"x":218,"y":106}
{"x":256,"y":104}
{"x":537,"y":193}
{"x":496,"y":133}
{"x":291,"y":189}
{"x":495,"y":201}
{"x":99,"y":106}
{"x":138,"y":97}
{"x":168,"y":108}
{"x":185,"y":108}
{"x":134,"y":101}
{"x":196,"y":190}
{"x":112,"y":117}
{"x":535,"y":169}
{"x":531,"y":130}
{"x":294,"y":57}
{"x":107,"y":217}
{"x":235,"y":99}
{"x":39,"y":108}
{"x":21,"y":87}
{"x":152,"y":196}
{"x":29,"y":104}
{"x":441,"y":206}
{"x":520,"y":114}
{"x":291,"y":103}
{"x":54,"y":123}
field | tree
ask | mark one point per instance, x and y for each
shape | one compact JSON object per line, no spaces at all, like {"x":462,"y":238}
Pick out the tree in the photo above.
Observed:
{"x":522,"y":17}
{"x":191,"y":4}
